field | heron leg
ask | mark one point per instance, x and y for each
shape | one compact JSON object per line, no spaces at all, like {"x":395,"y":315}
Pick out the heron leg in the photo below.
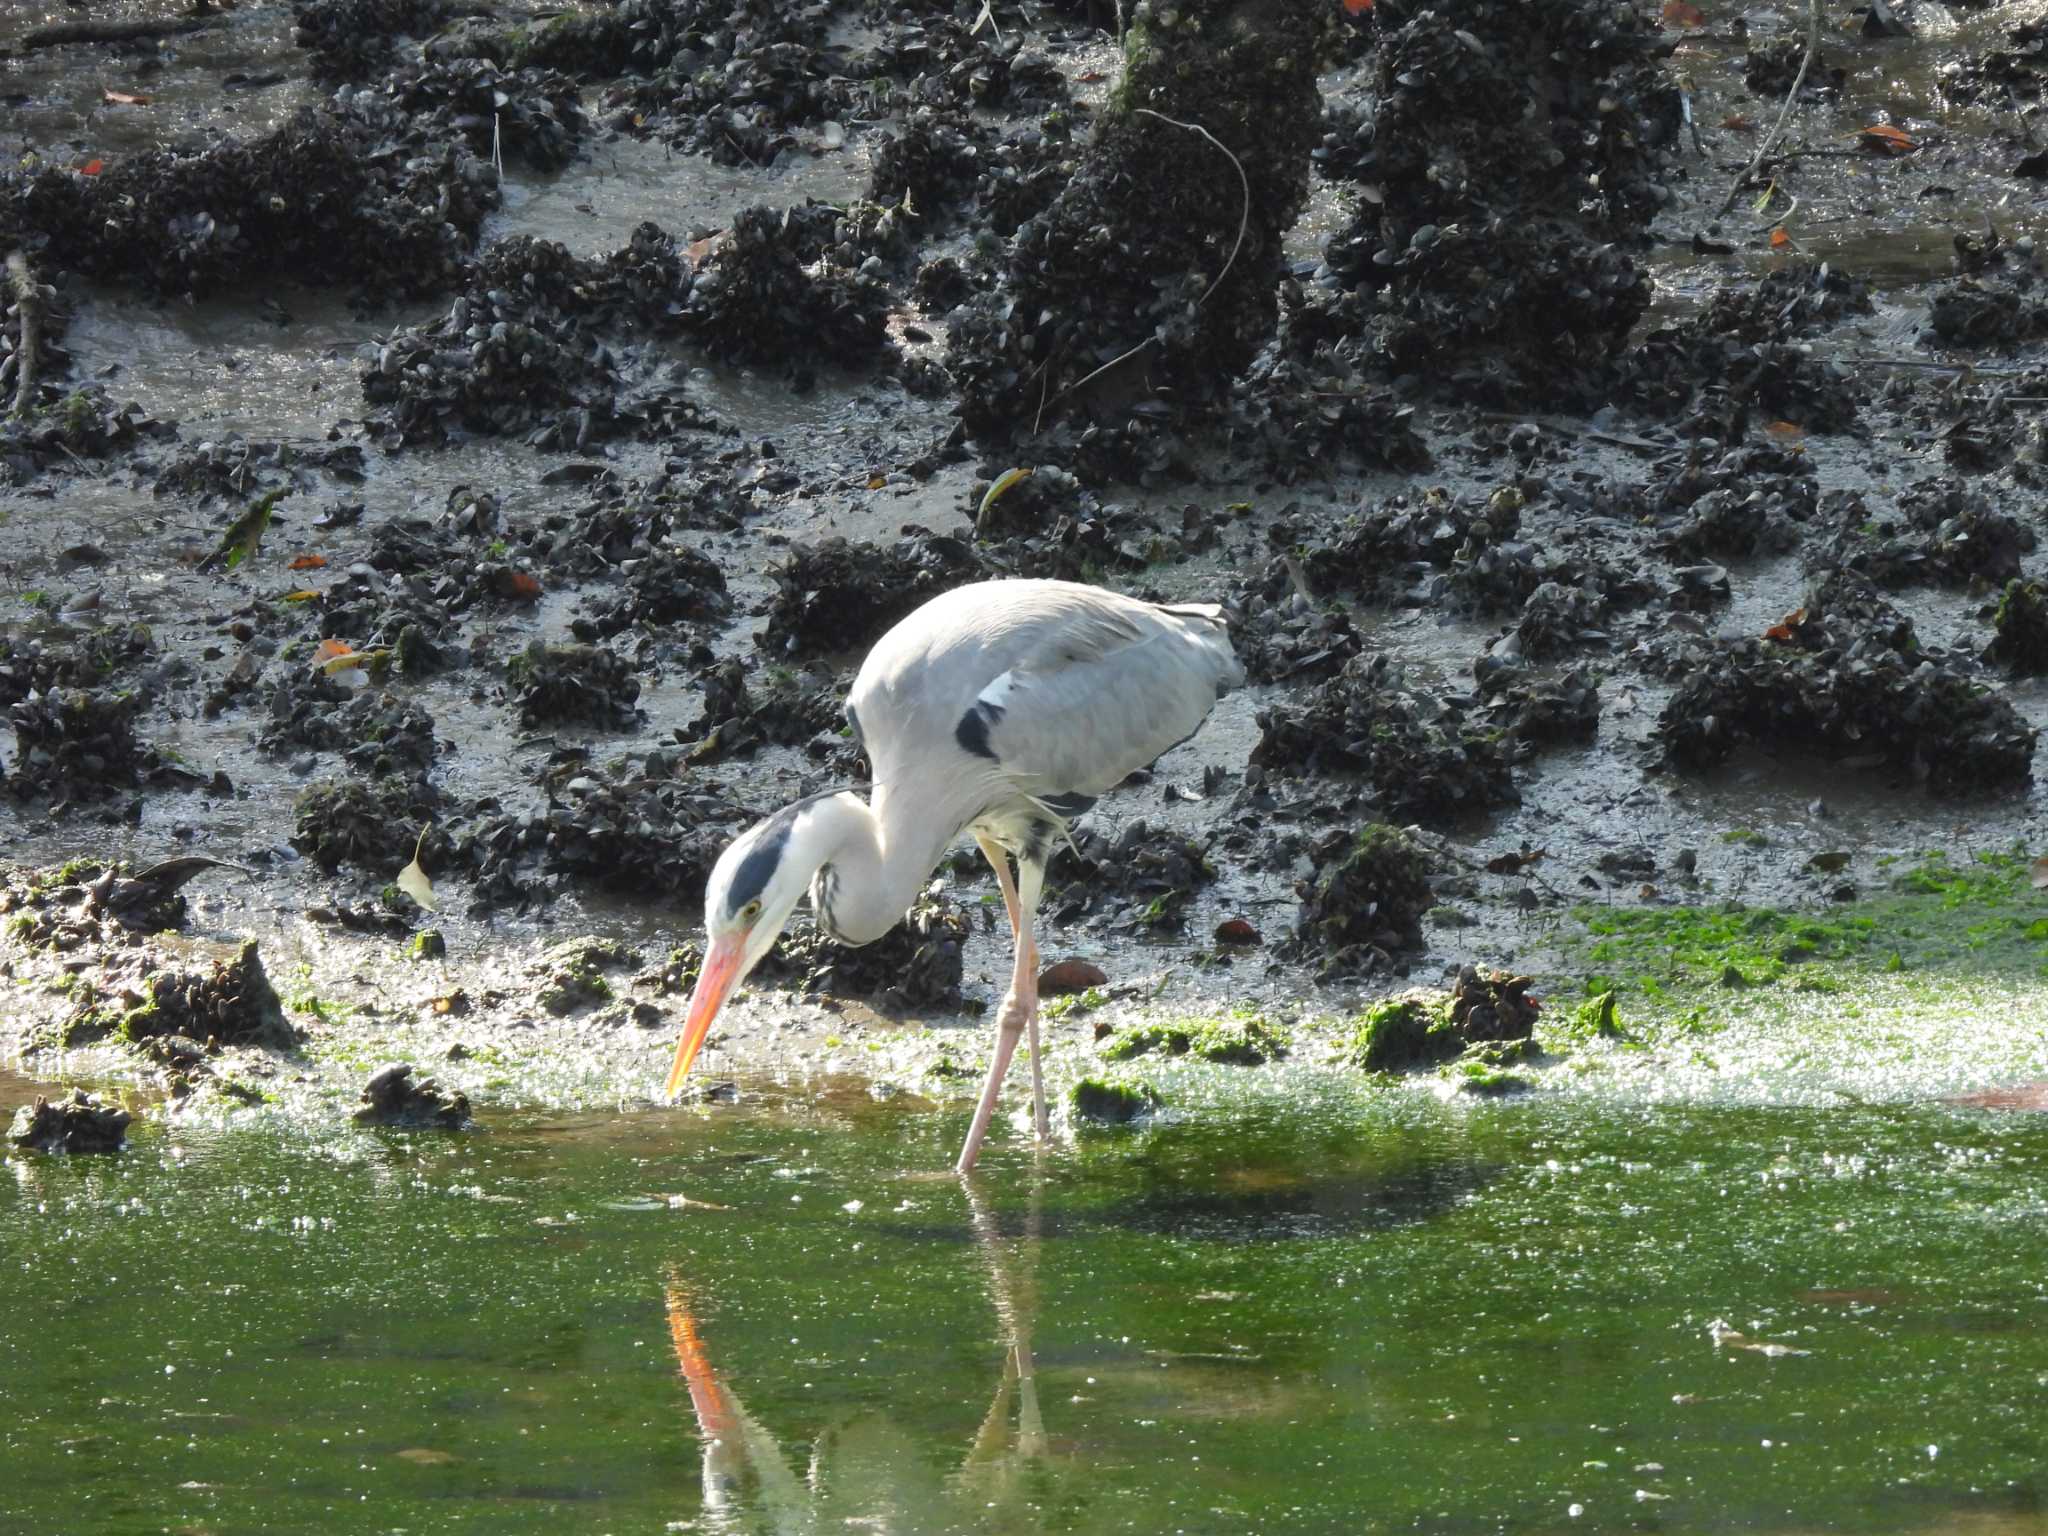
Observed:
{"x":1030,"y":885}
{"x":999,"y":861}
{"x":1019,"y":1010}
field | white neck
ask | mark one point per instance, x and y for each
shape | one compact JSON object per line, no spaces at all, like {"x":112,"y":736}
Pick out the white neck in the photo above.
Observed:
{"x":872,"y":872}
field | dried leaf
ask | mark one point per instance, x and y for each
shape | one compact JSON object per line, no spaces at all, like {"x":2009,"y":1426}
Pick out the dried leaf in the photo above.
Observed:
{"x":521,"y":585}
{"x":303,"y":595}
{"x":1735,"y":122}
{"x":1787,"y":628}
{"x":92,"y":167}
{"x":1357,"y":7}
{"x":413,"y":880}
{"x":307,"y":563}
{"x":1679,"y":14}
{"x":1783,"y":430}
{"x":1884,"y":139}
{"x":331,"y":655}
{"x":1515,"y":863}
{"x":2039,"y":870}
{"x":1067,"y":976}
{"x":123,"y":99}
{"x":876,"y":482}
{"x":1832,"y":863}
{"x":1779,"y":239}
{"x":1236,"y":931}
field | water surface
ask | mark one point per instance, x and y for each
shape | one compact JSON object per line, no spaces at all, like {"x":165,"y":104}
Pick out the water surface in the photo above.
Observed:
{"x":1385,"y":1313}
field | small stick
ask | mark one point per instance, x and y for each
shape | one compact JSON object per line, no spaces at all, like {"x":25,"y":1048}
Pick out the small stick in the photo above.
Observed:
{"x":1785,"y":113}
{"x":28,"y":299}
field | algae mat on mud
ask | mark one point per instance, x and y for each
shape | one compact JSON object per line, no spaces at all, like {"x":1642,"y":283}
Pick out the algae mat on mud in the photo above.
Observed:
{"x":1381,"y":1311}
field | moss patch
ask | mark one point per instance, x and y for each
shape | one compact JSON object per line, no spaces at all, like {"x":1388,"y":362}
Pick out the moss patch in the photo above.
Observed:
{"x":1241,"y":1039}
{"x":1982,"y":913}
{"x":1109,"y":1101}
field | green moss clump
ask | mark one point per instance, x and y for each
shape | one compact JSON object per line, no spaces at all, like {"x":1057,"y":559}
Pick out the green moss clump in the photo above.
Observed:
{"x":1598,"y":1018}
{"x":1243,"y":1039}
{"x":1488,"y":1081}
{"x":427,"y":944}
{"x":2019,"y":640}
{"x":1402,"y":1032}
{"x":1102,"y":1101}
{"x":576,"y":978}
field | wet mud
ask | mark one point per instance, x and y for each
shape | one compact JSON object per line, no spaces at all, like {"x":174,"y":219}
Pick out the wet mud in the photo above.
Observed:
{"x":462,"y":454}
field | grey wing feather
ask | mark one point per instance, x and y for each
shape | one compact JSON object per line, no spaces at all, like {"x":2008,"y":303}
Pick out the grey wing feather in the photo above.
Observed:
{"x":1084,"y":717}
{"x":1036,"y":689}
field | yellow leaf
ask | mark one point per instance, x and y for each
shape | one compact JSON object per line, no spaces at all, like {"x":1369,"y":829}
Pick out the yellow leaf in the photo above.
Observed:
{"x":303,"y":595}
{"x":413,"y":880}
{"x":998,"y":488}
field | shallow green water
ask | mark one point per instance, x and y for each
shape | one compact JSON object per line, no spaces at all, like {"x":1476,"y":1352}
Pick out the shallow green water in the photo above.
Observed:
{"x":1389,"y":1315}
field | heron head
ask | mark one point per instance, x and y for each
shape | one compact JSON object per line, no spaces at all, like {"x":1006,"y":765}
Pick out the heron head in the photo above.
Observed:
{"x":753,"y":889}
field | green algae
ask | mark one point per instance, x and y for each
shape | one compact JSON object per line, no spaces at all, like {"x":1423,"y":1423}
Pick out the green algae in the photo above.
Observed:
{"x":1241,"y":1038}
{"x":1402,"y":1032}
{"x":1113,"y":1100}
{"x":1936,"y":914}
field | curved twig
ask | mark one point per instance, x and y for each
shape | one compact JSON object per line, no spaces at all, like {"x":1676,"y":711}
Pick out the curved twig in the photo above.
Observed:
{"x":1244,"y":219}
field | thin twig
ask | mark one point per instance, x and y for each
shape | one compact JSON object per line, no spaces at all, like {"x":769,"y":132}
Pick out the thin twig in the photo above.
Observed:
{"x":64,"y":34}
{"x":28,"y":300}
{"x":1914,"y":362}
{"x":1785,"y":112}
{"x":1244,"y":214}
{"x":1244,"y":219}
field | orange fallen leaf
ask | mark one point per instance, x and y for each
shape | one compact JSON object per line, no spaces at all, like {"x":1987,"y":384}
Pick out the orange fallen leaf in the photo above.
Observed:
{"x":1887,"y":140}
{"x":523,"y":585}
{"x":123,"y":99}
{"x":1090,"y":76}
{"x":1357,"y":7}
{"x":307,"y":563}
{"x":1735,"y":122}
{"x":1236,"y":931}
{"x":1786,"y":628}
{"x":327,"y":650}
{"x":1677,"y":13}
{"x":1785,"y":431}
{"x":1779,"y":239}
{"x":92,"y":167}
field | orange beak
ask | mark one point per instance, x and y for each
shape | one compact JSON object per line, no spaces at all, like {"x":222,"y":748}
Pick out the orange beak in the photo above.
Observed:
{"x":714,"y":983}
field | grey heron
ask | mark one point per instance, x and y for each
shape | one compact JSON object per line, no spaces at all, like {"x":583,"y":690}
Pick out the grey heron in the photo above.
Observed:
{"x":1003,"y":709}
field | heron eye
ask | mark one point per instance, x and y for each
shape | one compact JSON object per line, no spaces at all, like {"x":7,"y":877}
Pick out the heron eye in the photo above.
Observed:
{"x":750,"y":911}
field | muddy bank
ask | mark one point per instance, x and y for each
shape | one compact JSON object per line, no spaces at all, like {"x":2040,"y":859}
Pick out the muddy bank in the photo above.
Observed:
{"x":489,"y":448}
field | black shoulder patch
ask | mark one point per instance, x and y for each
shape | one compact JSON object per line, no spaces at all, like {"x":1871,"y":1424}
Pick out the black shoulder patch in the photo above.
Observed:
{"x":1068,"y":805}
{"x":972,"y":731}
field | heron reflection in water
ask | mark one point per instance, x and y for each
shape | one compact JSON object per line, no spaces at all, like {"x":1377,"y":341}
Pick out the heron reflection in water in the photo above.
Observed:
{"x":866,"y":1472}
